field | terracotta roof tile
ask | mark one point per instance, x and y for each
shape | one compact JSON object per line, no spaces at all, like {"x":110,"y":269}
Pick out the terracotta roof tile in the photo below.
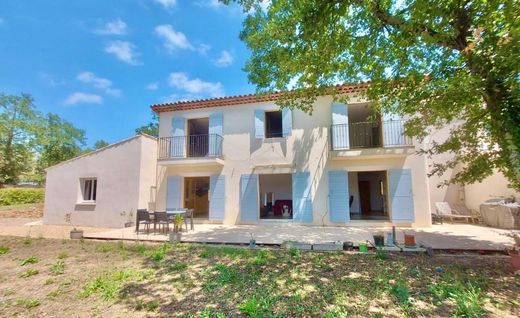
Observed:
{"x":238,"y":99}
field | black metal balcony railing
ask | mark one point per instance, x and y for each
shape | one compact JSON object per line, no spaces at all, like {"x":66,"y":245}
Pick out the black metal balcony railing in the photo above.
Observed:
{"x":369,"y":135}
{"x":194,"y":146}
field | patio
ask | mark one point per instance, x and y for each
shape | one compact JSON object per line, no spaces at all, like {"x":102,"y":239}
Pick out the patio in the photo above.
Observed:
{"x":445,"y":237}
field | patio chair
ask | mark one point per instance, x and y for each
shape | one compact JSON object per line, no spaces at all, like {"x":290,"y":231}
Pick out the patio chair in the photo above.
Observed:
{"x":161,"y":219}
{"x":463,"y":210}
{"x":143,"y":217}
{"x":444,"y":211}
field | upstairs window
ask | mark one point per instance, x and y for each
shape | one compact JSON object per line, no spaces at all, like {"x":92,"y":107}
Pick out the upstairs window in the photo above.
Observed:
{"x":273,"y":124}
{"x":88,"y":189}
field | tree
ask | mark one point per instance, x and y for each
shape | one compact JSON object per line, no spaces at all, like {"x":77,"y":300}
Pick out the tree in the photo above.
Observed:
{"x":433,"y":61}
{"x":19,"y":124}
{"x":100,"y":144}
{"x":59,"y":141}
{"x":151,"y":128}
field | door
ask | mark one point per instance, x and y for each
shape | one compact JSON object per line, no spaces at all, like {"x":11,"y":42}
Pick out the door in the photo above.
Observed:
{"x":196,"y":196}
{"x":364,"y":196}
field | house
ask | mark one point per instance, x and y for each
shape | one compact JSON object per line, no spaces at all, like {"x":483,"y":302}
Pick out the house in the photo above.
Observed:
{"x":243,"y":160}
{"x":102,"y":188}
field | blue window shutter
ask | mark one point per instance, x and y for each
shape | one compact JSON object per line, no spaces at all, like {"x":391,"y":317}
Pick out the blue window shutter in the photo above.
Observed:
{"x":401,"y":195}
{"x":215,"y":132}
{"x":249,"y":204}
{"x":178,"y":137}
{"x":259,"y":124}
{"x":393,"y":130}
{"x":217,"y":197}
{"x":340,"y":133}
{"x":339,"y":196}
{"x":173,"y":192}
{"x":301,"y":192}
{"x":286,"y":121}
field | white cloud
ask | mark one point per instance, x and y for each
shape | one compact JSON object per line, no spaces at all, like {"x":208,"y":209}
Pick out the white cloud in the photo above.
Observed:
{"x":225,"y":59}
{"x":124,"y":51}
{"x":117,"y":27}
{"x":195,"y":86}
{"x":174,"y":40}
{"x":83,"y":98}
{"x":167,"y":3}
{"x":98,"y":82}
{"x":50,"y":79}
{"x":152,"y":86}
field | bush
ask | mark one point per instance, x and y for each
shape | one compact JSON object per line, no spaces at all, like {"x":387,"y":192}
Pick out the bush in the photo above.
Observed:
{"x":12,"y":196}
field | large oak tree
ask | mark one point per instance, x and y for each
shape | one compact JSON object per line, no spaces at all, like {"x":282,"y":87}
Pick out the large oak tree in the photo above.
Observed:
{"x":432,"y":61}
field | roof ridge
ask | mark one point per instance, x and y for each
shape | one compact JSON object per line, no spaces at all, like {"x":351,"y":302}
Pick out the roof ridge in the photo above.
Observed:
{"x":239,"y":99}
{"x":101,"y":149}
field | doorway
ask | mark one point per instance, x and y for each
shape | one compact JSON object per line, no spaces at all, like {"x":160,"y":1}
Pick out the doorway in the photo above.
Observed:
{"x":275,"y":196}
{"x":198,"y":137}
{"x":196,"y":196}
{"x":369,"y":195}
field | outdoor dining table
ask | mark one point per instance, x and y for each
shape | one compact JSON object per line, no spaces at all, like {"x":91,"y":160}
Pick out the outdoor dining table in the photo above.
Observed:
{"x":184,"y":212}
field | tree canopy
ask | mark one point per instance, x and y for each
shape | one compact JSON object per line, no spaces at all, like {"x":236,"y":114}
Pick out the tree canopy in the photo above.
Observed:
{"x":30,"y":141}
{"x":433,"y":61}
{"x":152,"y":128}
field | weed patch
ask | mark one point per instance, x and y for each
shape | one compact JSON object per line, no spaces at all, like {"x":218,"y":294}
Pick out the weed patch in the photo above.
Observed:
{"x":30,"y":272}
{"x":29,"y":260}
{"x":58,"y":268}
{"x":4,"y":249}
{"x":28,"y":303}
{"x":108,"y":285}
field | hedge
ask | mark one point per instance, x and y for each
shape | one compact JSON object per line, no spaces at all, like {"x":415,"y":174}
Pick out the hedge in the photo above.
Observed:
{"x":12,"y":196}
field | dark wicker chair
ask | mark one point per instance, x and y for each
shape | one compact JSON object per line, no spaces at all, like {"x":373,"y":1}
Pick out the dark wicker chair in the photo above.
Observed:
{"x":161,"y":219}
{"x":143,"y":217}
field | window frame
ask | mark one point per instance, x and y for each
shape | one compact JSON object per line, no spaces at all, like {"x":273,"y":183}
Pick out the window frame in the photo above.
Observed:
{"x":267,"y":126}
{"x":88,"y":190}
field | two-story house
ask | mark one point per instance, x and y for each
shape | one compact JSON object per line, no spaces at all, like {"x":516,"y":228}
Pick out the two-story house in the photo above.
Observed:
{"x":243,"y":160}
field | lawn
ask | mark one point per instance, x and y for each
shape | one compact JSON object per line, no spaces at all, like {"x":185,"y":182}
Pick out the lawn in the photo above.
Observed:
{"x":42,"y":277}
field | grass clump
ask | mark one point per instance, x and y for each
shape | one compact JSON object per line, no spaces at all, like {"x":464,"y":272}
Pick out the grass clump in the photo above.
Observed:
{"x":177,"y":266}
{"x":4,"y":249}
{"x":401,"y":293}
{"x":158,"y":254}
{"x":58,"y":268}
{"x":63,"y":255}
{"x":220,"y":251}
{"x":258,"y":306}
{"x":220,"y":275}
{"x":108,"y":285}
{"x":211,"y":313}
{"x":29,"y":260}
{"x":28,"y":273}
{"x":28,"y":303}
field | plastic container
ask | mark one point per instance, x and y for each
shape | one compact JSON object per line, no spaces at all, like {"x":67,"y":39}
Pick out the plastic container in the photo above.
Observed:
{"x":409,"y":240}
{"x":379,"y":240}
{"x":363,"y":247}
{"x":390,"y":239}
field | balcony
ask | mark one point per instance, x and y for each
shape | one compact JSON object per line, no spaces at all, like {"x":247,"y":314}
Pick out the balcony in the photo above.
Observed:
{"x":369,"y":138}
{"x":191,"y":149}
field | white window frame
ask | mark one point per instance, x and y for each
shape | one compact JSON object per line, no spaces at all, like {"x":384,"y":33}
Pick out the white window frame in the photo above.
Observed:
{"x":88,"y":195}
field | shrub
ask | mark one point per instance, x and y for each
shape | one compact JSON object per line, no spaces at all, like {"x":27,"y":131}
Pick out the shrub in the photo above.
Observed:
{"x":12,"y":196}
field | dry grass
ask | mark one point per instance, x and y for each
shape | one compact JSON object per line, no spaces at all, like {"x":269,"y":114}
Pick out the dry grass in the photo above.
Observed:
{"x":86,"y":278}
{"x":29,"y":210}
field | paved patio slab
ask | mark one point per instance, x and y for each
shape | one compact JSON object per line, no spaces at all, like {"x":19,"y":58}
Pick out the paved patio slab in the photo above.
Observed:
{"x":446,"y":237}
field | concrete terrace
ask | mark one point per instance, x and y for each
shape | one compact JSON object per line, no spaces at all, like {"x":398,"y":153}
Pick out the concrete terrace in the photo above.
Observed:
{"x":445,"y":237}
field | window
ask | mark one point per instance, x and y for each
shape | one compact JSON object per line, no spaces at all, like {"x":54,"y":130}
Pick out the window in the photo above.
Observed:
{"x":89,"y":189}
{"x":273,"y":124}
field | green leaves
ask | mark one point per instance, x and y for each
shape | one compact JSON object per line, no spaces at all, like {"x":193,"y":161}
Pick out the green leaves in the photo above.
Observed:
{"x":436,"y":62}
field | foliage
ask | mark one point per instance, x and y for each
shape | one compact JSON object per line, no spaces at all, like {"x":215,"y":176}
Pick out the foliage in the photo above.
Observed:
{"x":12,"y":196}
{"x":28,"y":303}
{"x":108,"y":285}
{"x":29,"y":272}
{"x":29,"y":260}
{"x":59,"y":141}
{"x":19,"y":125}
{"x":435,"y":62}
{"x":100,"y":144}
{"x":58,"y":268}
{"x":151,"y":128}
{"x":159,"y":253}
{"x":4,"y":249}
{"x":401,"y":293}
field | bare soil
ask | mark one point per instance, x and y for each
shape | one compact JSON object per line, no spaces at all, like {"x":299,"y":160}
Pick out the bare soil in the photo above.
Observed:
{"x":64,"y":278}
{"x":30,"y":211}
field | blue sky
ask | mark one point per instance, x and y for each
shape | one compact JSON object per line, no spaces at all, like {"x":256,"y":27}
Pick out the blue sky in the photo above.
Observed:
{"x":100,"y":64}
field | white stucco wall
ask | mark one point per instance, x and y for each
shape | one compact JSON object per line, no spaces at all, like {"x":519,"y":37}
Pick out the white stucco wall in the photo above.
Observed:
{"x":125,"y":172}
{"x":307,"y":149}
{"x":492,"y":187}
